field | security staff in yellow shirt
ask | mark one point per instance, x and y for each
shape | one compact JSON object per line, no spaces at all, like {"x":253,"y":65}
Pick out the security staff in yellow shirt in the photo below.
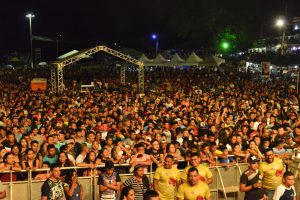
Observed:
{"x":193,"y":189}
{"x":166,"y":179}
{"x":205,"y":174}
{"x":271,"y":171}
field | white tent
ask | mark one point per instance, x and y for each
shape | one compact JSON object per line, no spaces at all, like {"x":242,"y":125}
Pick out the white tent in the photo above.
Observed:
{"x":212,"y":61}
{"x":176,"y":59}
{"x":159,"y":59}
{"x":193,"y":58}
{"x":145,"y":59}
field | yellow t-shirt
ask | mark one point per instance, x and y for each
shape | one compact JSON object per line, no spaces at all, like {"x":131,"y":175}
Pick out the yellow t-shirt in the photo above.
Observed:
{"x":188,"y":192}
{"x":167,"y":179}
{"x":204,"y":173}
{"x":271,"y":173}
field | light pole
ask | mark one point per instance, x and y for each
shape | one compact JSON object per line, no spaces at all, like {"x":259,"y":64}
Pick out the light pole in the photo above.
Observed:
{"x":30,"y":16}
{"x":155,"y":38}
{"x":281,"y":23}
{"x":57,"y":44}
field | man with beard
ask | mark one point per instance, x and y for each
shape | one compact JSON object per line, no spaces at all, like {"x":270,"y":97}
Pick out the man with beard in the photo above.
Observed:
{"x":271,"y":170}
{"x":193,"y":189}
{"x":251,"y":181}
{"x":166,"y":179}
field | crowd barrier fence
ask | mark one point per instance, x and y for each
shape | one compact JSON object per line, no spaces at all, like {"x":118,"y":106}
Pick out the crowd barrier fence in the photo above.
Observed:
{"x":225,"y":182}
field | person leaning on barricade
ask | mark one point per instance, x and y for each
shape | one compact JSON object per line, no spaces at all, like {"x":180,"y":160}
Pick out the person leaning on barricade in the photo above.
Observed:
{"x":271,"y":171}
{"x":250,"y":181}
{"x":52,"y":188}
{"x":109,"y":182}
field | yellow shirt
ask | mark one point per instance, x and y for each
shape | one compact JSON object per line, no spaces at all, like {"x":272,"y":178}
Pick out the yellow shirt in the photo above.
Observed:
{"x":271,"y":173}
{"x":167,"y":179}
{"x":188,"y":192}
{"x":204,"y":173}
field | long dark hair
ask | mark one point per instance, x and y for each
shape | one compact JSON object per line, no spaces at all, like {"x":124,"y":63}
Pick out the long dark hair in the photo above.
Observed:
{"x":68,"y":163}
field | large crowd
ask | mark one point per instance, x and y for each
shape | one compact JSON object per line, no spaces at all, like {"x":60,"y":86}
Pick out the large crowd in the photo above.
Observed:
{"x":204,"y":118}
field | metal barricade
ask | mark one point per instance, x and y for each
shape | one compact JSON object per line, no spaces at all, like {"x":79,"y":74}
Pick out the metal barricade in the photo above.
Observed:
{"x":225,"y":182}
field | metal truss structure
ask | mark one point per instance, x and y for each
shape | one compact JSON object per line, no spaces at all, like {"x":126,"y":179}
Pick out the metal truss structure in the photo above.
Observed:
{"x":57,"y":85}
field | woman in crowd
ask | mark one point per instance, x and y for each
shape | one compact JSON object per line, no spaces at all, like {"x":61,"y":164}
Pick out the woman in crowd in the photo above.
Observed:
{"x":254,"y":150}
{"x":23,"y":145}
{"x":91,"y":162}
{"x":127,"y":193}
{"x":30,"y":162}
{"x":239,"y":154}
{"x":17,"y":154}
{"x":171,"y":150}
{"x":7,"y":165}
{"x":73,"y":189}
{"x":120,"y":154}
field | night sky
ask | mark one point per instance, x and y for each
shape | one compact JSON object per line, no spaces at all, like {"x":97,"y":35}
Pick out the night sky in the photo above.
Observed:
{"x":183,"y":24}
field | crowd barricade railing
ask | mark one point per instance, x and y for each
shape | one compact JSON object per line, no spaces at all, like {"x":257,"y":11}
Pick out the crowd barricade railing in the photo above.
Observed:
{"x":225,"y":181}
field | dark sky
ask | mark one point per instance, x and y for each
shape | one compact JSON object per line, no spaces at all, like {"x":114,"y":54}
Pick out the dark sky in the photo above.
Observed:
{"x":179,"y":23}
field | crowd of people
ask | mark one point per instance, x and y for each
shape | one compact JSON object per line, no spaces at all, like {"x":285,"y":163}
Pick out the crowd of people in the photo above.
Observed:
{"x":206,"y":119}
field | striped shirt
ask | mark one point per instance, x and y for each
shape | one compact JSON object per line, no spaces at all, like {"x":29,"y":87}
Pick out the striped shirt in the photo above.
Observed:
{"x":139,"y":187}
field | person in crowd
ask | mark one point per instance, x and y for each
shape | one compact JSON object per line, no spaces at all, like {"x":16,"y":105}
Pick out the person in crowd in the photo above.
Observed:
{"x":205,"y":174}
{"x":9,"y":164}
{"x":167,"y":179}
{"x":250,"y":181}
{"x":17,"y":154}
{"x":254,"y":150}
{"x":206,"y":156}
{"x":73,"y":189}
{"x":52,"y":188}
{"x":3,"y":151}
{"x":43,"y":175}
{"x":286,"y":190}
{"x":2,"y":191}
{"x":37,"y":155}
{"x":104,"y":156}
{"x":271,"y":171}
{"x":151,"y":195}
{"x":193,"y":188}
{"x":226,"y":160}
{"x":120,"y":154}
{"x":139,"y":182}
{"x":155,"y":152}
{"x":90,"y":161}
{"x":127,"y":193}
{"x":30,"y":162}
{"x":51,"y":156}
{"x":84,"y":150}
{"x":140,"y":157}
{"x":240,"y":155}
{"x":109,"y":182}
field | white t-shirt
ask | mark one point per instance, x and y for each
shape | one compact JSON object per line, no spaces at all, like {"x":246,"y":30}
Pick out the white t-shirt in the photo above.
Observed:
{"x":281,"y":189}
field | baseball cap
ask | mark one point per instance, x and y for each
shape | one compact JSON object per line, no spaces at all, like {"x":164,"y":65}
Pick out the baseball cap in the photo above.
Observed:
{"x":253,"y":159}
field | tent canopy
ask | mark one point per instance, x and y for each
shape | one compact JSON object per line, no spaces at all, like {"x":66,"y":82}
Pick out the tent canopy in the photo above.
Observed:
{"x":212,"y":61}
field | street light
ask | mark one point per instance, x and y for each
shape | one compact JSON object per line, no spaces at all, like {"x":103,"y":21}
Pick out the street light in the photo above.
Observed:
{"x":57,"y":44}
{"x":30,"y":16}
{"x":281,"y":24}
{"x":155,"y":38}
